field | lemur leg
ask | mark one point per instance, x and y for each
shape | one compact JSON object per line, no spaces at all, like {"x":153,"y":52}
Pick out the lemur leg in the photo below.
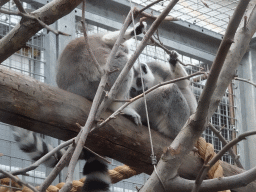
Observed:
{"x":111,"y":37}
{"x":168,"y":110}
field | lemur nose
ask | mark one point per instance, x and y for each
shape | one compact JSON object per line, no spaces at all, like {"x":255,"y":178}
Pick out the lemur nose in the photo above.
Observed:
{"x":138,"y":82}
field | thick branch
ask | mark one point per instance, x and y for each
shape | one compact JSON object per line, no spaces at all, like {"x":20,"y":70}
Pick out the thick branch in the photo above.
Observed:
{"x":3,"y":2}
{"x":23,"y":31}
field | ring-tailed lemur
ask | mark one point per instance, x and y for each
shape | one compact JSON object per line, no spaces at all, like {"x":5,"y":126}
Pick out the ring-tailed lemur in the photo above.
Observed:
{"x":154,"y":73}
{"x":169,"y":106}
{"x":76,"y":73}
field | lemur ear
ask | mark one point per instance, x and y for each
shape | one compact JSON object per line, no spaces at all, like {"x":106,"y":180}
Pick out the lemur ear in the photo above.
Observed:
{"x":144,"y":68}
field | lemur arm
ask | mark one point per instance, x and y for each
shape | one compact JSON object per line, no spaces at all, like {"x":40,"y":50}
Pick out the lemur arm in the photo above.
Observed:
{"x":111,"y":37}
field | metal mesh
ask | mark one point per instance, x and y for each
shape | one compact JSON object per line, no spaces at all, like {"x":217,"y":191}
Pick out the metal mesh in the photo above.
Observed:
{"x":214,"y":18}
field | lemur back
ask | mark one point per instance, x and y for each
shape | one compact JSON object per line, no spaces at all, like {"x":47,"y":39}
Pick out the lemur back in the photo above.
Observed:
{"x":78,"y":74}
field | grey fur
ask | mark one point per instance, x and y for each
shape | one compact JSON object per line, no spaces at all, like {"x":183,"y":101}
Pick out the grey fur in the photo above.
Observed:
{"x":169,"y":106}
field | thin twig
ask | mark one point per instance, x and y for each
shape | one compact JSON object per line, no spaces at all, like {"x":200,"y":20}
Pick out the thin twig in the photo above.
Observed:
{"x":29,"y":16}
{"x":167,"y":18}
{"x":61,"y":164}
{"x":20,"y":7}
{"x":87,"y":42}
{"x":224,"y":142}
{"x":148,"y":6}
{"x":9,"y":12}
{"x":245,"y":80}
{"x":206,"y":168}
{"x":96,"y":154}
{"x":205,"y":4}
{"x":17,"y":180}
{"x":169,"y":52}
{"x":41,"y":160}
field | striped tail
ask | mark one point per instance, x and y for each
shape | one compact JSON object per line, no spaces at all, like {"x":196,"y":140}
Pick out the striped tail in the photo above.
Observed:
{"x":95,"y":169}
{"x":34,"y":146}
{"x":97,"y":176}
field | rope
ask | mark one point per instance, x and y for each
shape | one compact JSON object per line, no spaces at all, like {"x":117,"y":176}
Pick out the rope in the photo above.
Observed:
{"x":206,"y":152}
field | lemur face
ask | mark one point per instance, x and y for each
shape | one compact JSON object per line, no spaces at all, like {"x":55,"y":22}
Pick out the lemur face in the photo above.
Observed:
{"x":146,"y":75}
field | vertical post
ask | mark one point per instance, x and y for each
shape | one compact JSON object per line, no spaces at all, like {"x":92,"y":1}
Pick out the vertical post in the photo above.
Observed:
{"x":247,"y":70}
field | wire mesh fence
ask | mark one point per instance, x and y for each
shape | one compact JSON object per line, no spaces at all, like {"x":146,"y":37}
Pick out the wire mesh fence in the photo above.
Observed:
{"x":209,"y":14}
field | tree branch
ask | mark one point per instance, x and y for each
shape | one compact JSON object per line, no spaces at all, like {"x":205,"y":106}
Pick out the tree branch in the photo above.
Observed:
{"x":22,"y":32}
{"x":87,"y":42}
{"x":245,"y":80}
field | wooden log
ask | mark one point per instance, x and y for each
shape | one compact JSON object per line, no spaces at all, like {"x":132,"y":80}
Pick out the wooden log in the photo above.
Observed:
{"x":38,"y":107}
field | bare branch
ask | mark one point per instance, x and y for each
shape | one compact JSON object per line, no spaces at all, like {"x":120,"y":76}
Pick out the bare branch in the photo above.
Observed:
{"x":61,"y":164}
{"x":17,"y":180}
{"x":148,"y":6}
{"x":169,"y":52}
{"x":224,"y":142}
{"x":167,"y":18}
{"x":20,"y":7}
{"x":9,"y":12}
{"x":19,"y":35}
{"x":205,"y":4}
{"x":206,"y":168}
{"x":245,"y":80}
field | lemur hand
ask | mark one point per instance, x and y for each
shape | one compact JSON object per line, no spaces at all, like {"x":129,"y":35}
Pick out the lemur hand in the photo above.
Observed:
{"x":140,"y":27}
{"x":173,"y":57}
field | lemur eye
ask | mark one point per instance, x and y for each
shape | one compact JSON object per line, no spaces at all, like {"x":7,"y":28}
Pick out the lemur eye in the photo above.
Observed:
{"x":144,"y":68}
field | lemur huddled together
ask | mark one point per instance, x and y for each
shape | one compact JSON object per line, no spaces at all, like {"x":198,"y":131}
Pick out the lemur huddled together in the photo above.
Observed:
{"x":169,"y":106}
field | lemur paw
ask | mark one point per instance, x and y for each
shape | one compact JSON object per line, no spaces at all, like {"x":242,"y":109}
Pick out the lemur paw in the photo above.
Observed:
{"x":173,"y":57}
{"x":140,"y":27}
{"x":174,"y":54}
{"x":137,"y":119}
